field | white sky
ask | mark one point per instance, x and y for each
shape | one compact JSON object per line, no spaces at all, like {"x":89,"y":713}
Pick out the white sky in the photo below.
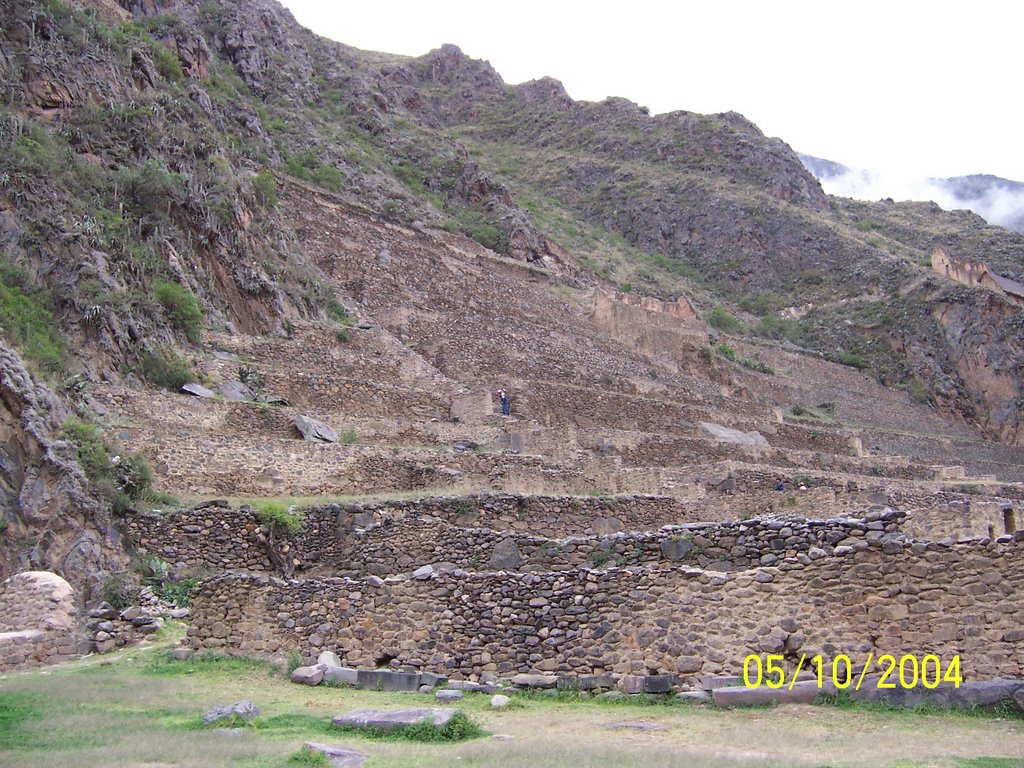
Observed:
{"x":901,"y":87}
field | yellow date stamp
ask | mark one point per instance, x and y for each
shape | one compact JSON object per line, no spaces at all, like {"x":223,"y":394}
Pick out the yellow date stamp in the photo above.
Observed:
{"x":906,"y":671}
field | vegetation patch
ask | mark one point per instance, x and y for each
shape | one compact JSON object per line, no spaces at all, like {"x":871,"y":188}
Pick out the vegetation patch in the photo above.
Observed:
{"x":165,"y":368}
{"x":459,"y":728}
{"x":275,"y":513}
{"x":17,"y":710}
{"x":26,"y":320}
{"x":119,"y":476}
{"x":181,"y":308}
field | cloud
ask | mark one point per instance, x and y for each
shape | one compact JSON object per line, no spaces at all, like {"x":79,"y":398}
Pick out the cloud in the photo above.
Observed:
{"x":998,"y":201}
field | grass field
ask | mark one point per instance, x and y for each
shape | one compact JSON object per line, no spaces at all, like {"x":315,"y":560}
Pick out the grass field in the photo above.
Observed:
{"x":138,"y":708}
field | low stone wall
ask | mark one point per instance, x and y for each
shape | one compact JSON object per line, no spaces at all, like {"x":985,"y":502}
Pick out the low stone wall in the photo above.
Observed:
{"x":963,"y":599}
{"x":406,"y":544}
{"x":221,"y":538}
{"x":37,"y":620}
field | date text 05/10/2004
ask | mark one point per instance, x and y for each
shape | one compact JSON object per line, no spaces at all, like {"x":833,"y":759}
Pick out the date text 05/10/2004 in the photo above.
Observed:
{"x":907,"y":671}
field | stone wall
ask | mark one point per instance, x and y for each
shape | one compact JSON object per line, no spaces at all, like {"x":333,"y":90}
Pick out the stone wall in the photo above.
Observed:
{"x":221,"y":538}
{"x":37,"y":620}
{"x":962,"y":599}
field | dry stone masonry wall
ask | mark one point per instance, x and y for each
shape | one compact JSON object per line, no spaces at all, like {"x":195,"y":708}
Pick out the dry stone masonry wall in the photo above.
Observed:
{"x":961,"y":599}
{"x":37,"y":620}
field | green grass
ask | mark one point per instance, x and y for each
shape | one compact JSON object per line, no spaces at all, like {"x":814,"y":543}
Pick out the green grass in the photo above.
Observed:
{"x":27,"y":321}
{"x":181,"y":308}
{"x":272,"y":512}
{"x":459,"y":728}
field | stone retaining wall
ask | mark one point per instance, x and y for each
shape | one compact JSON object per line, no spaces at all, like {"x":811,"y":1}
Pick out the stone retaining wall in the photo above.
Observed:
{"x":963,"y":599}
{"x":37,"y":620}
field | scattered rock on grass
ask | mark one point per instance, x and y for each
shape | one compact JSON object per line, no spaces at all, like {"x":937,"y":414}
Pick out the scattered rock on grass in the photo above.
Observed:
{"x":243,"y":710}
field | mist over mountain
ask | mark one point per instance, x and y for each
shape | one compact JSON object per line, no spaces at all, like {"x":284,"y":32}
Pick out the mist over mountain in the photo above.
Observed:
{"x":999,"y":201}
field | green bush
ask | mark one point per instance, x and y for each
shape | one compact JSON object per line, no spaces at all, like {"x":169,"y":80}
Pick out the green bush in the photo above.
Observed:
{"x":177,"y":592}
{"x":165,"y":368}
{"x":166,"y":62}
{"x":723,"y":320}
{"x":278,"y":513}
{"x":724,"y":350}
{"x":26,"y":320}
{"x":181,"y":307}
{"x":264,"y":185}
{"x":309,"y":758}
{"x":851,"y":359}
{"x":117,"y":475}
{"x":91,"y":449}
{"x":329,"y":177}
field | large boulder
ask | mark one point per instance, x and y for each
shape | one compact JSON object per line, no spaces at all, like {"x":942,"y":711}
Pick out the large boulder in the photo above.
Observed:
{"x":314,"y":430}
{"x":718,"y":433}
{"x":506,"y":556}
{"x":388,"y":721}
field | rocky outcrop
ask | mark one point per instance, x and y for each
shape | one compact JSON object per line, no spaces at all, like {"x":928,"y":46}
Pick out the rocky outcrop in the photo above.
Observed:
{"x":50,"y":519}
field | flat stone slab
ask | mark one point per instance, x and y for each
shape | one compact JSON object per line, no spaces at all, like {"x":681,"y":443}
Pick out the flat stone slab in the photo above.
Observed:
{"x":585,"y":682}
{"x":535,"y":681}
{"x":801,"y":693}
{"x":243,"y":710}
{"x":342,"y":676}
{"x":635,"y":726}
{"x":340,"y":757}
{"x":197,"y":390}
{"x":981,"y":693}
{"x":388,"y":721}
{"x":387,"y":680}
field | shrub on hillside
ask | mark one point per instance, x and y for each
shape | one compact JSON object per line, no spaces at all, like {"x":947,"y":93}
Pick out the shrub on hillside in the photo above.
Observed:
{"x":165,"y":368}
{"x":723,"y":320}
{"x":180,"y":307}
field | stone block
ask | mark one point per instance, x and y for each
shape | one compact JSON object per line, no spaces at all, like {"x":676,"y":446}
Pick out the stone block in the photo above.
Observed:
{"x":388,"y":721}
{"x":387,"y":680}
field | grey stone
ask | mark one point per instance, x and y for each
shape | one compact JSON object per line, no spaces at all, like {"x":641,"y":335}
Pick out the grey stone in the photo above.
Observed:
{"x":243,"y":710}
{"x":432,"y":679}
{"x":506,"y":556}
{"x":500,"y":701}
{"x":676,"y":549}
{"x":179,"y":613}
{"x":198,"y":390}
{"x":466,"y":685}
{"x":585,"y":682}
{"x":375,"y":581}
{"x":687,"y":665}
{"x":308,"y":675}
{"x":801,"y":693}
{"x":387,"y":680}
{"x":711,"y":682}
{"x":390,"y":720}
{"x":328,"y":659}
{"x":659,"y":683}
{"x":446,"y":695}
{"x":635,"y":726}
{"x":340,"y":757}
{"x":313,"y":430}
{"x":970,"y":695}
{"x":698,"y":697}
{"x":535,"y":681}
{"x":182,"y":654}
{"x":632,"y":683}
{"x":235,"y":390}
{"x":717,"y":432}
{"x":423,"y":572}
{"x":341,"y":676}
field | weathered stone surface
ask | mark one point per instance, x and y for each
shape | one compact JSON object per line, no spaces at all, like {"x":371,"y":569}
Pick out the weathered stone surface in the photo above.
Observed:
{"x":659,"y":683}
{"x":505,"y":556}
{"x":466,"y":685}
{"x":341,"y":676}
{"x":635,"y":726}
{"x":387,"y":680}
{"x":971,"y":694}
{"x":390,"y":720}
{"x":535,"y":681}
{"x":328,"y":659}
{"x":308,"y":675}
{"x":722,"y":434}
{"x":801,"y":693}
{"x":236,"y":391}
{"x":698,"y":697}
{"x":313,"y":430}
{"x":585,"y":682}
{"x":500,"y":701}
{"x":182,"y":654}
{"x":423,"y":573}
{"x":243,"y":710}
{"x":198,"y":390}
{"x":446,"y":695}
{"x":340,"y":757}
{"x":632,"y":684}
{"x":676,"y":549}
